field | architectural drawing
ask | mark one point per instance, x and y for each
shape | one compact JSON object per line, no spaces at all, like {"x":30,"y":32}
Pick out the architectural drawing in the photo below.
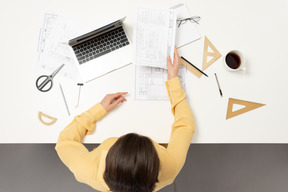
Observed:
{"x":150,"y":82}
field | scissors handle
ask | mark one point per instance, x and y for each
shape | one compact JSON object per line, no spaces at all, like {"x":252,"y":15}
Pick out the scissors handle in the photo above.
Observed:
{"x":42,"y":85}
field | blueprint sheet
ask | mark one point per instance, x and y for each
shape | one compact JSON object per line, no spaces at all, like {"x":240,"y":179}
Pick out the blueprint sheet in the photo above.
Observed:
{"x":154,"y":36}
{"x":150,"y":83}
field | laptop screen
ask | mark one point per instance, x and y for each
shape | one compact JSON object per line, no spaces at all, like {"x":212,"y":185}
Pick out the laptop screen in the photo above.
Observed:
{"x":89,"y":35}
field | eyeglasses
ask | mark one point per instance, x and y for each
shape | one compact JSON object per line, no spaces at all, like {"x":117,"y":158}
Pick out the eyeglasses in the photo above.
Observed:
{"x":194,"y":19}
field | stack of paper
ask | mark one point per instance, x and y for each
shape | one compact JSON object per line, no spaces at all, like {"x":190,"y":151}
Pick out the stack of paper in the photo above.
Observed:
{"x":154,"y":36}
{"x":154,"y":39}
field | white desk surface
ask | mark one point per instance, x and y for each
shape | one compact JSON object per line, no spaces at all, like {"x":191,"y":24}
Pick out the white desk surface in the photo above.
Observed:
{"x":257,"y":28}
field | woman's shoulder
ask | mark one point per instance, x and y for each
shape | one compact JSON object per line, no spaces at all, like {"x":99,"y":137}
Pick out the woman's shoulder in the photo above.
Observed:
{"x":107,"y":143}
{"x":168,"y":166}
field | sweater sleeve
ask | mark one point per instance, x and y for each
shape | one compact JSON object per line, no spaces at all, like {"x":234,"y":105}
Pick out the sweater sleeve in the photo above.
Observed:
{"x":70,"y":148}
{"x":183,"y":126}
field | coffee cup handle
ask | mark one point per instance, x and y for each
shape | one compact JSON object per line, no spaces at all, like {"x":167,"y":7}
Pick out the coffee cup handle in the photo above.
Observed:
{"x":243,"y":69}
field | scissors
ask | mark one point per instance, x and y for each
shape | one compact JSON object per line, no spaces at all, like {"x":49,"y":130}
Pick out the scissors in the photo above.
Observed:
{"x":47,"y":80}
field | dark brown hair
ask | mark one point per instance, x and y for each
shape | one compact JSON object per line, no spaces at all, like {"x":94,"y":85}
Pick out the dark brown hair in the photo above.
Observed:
{"x":132,"y":165}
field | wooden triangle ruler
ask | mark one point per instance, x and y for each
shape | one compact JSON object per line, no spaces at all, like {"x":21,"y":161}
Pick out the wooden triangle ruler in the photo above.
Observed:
{"x":40,"y":115}
{"x":190,"y":68}
{"x":248,"y":107}
{"x":215,"y":54}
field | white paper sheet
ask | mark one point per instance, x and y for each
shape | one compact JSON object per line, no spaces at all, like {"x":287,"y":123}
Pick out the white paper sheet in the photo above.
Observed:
{"x":49,"y":23}
{"x":53,"y":44}
{"x":154,"y":36}
{"x":185,"y":33}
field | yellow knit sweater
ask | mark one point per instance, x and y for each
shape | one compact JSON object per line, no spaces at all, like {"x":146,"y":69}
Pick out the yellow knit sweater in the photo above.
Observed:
{"x":88,"y":167}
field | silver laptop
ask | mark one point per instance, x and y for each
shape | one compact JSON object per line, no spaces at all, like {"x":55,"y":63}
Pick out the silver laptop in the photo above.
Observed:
{"x":101,"y":51}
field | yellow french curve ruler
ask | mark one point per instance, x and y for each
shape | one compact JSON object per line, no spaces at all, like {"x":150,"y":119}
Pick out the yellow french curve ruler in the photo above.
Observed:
{"x":53,"y":119}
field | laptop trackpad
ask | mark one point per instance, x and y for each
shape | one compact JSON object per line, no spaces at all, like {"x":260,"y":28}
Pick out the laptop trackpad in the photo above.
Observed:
{"x":125,"y":54}
{"x":105,"y":64}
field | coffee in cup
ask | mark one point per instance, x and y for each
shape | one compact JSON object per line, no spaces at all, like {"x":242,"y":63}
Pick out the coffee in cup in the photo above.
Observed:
{"x":234,"y":61}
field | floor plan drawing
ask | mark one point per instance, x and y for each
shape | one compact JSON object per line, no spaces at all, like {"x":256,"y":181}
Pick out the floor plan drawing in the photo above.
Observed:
{"x":150,"y":82}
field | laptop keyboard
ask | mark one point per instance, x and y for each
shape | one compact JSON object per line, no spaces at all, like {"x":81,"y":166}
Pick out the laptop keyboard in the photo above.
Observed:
{"x":100,"y":45}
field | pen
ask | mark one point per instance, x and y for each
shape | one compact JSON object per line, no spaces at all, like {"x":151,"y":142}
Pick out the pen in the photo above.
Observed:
{"x":218,"y":85}
{"x":194,"y":66}
{"x":64,"y":99}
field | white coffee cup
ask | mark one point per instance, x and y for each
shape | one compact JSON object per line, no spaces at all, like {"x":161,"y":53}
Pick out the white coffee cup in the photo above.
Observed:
{"x":234,"y":61}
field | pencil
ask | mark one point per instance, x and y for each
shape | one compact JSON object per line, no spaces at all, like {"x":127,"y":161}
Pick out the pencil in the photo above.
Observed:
{"x":218,"y":85}
{"x":64,"y":99}
{"x":194,"y":66}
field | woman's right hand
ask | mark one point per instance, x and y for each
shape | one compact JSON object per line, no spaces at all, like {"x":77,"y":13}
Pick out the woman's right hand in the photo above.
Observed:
{"x":173,"y":68}
{"x":110,"y":101}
